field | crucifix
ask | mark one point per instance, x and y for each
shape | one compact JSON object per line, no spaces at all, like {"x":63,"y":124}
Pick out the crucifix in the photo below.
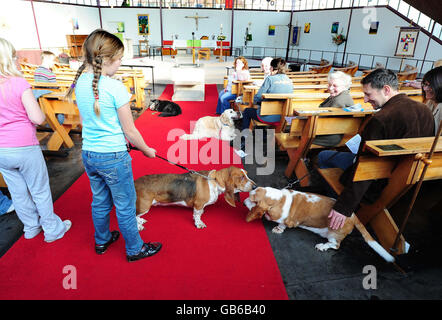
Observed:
{"x":196,"y":17}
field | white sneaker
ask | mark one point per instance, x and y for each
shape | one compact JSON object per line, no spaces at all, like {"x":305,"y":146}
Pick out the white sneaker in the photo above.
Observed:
{"x":68,"y":225}
{"x":11,"y":208}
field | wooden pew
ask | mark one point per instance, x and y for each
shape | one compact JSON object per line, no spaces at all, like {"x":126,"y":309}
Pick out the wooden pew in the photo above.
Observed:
{"x":52,"y":104}
{"x":2,"y":182}
{"x":409,"y":73}
{"x":351,"y":69}
{"x":309,"y":124}
{"x":402,"y":168}
{"x":300,"y":138}
{"x":133,"y":79}
{"x":322,"y":68}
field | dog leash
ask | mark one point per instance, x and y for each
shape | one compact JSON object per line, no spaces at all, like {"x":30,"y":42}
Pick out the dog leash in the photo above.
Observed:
{"x":291,"y":184}
{"x":131,"y":147}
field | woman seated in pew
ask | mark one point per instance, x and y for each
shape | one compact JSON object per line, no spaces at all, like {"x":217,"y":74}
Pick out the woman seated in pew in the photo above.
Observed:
{"x":339,"y":88}
{"x":265,"y":67}
{"x":431,"y":85}
{"x":240,"y":73}
{"x":276,"y":82}
{"x":432,"y":91}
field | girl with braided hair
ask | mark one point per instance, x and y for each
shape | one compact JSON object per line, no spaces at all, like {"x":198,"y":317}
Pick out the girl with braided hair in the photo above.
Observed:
{"x":21,"y":160}
{"x":104,"y":105}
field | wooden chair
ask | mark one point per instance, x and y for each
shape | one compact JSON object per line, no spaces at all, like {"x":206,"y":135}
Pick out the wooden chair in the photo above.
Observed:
{"x":351,"y":69}
{"x":53,"y":104}
{"x":409,"y":73}
{"x":402,"y":168}
{"x":309,"y":124}
{"x":377,"y":66}
{"x":2,"y":182}
{"x":204,"y":53}
{"x":324,"y":67}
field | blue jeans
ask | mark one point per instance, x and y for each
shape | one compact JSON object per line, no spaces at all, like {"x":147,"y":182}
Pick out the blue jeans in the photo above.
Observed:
{"x":5,"y":203}
{"x":112,"y":183}
{"x":247,"y":116}
{"x":335,"y":159}
{"x":223,"y":101}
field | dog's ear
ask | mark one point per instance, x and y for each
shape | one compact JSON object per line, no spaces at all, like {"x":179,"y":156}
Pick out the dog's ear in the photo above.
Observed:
{"x":224,"y":180}
{"x":229,"y":196}
{"x":256,"y":213}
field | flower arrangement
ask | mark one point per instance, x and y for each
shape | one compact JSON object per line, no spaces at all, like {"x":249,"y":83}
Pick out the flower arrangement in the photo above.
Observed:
{"x":339,"y":39}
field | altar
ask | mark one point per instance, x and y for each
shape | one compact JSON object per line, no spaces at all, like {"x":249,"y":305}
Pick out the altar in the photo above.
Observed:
{"x":180,"y":47}
{"x":188,"y":83}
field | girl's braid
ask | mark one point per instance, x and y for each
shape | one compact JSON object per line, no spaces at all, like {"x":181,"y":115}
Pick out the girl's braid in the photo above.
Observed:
{"x":96,"y":64}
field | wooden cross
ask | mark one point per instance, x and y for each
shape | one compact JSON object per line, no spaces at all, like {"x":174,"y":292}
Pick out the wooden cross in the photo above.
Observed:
{"x":196,"y":17}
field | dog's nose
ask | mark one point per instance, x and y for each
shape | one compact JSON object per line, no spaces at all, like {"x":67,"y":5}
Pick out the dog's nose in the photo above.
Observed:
{"x":254,"y":186}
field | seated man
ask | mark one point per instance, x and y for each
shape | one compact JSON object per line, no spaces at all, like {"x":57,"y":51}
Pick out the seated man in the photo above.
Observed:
{"x":399,"y":117}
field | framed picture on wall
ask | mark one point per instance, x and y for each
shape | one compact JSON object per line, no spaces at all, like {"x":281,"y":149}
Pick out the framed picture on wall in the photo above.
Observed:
{"x":406,"y":42}
{"x":335,"y":27}
{"x":272,"y":30}
{"x":143,"y":24}
{"x":296,"y":32}
{"x":307,"y":27}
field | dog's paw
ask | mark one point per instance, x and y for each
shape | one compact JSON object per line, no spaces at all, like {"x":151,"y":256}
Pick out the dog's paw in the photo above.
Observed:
{"x":200,"y":225}
{"x":325,"y":246}
{"x":278,"y":229}
{"x":140,"y":222}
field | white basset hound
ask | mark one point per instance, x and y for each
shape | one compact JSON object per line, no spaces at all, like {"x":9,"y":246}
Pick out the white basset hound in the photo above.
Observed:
{"x":308,"y":211}
{"x":190,"y":190}
{"x":221,"y":127}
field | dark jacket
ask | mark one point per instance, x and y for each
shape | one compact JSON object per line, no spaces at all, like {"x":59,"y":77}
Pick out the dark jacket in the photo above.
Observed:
{"x":400,"y":117}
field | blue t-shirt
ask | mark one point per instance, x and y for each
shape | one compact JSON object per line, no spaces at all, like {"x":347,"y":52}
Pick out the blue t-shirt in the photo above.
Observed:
{"x":101,"y":133}
{"x":278,"y":83}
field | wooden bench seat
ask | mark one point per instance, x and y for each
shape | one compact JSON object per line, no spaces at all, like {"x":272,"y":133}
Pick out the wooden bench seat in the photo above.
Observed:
{"x":402,"y":168}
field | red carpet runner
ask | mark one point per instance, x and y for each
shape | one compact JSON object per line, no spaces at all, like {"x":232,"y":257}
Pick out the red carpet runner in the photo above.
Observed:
{"x":230,"y":259}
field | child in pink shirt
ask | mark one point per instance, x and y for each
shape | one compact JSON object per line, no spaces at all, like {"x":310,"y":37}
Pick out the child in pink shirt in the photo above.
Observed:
{"x":21,"y":160}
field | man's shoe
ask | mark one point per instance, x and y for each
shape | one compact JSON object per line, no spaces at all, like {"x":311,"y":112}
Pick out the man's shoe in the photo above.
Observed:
{"x":147,"y":250}
{"x":101,"y":248}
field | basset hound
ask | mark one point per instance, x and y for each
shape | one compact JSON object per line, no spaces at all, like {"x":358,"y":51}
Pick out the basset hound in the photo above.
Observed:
{"x":221,"y":127}
{"x":190,"y":190}
{"x":309,"y":211}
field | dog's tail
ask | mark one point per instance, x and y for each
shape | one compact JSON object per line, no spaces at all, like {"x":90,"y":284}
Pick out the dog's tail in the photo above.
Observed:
{"x":372,"y":242}
{"x":191,"y":136}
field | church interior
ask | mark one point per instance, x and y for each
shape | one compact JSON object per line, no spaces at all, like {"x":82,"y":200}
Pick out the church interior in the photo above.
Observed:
{"x":186,"y":52}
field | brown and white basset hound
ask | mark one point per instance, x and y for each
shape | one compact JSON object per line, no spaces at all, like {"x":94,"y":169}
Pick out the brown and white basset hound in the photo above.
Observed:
{"x":190,"y":190}
{"x":309,"y":211}
{"x":221,"y":127}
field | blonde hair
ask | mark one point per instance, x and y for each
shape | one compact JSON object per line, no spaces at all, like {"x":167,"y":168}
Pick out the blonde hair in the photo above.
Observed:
{"x":438,"y":63}
{"x":8,"y":68}
{"x":97,"y":47}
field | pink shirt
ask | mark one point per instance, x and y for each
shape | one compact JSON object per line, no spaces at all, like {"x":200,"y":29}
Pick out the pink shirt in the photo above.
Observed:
{"x":16,"y":130}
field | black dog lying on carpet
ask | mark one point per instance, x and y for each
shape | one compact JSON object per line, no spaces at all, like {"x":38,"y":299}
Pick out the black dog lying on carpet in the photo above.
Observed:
{"x":167,"y":108}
